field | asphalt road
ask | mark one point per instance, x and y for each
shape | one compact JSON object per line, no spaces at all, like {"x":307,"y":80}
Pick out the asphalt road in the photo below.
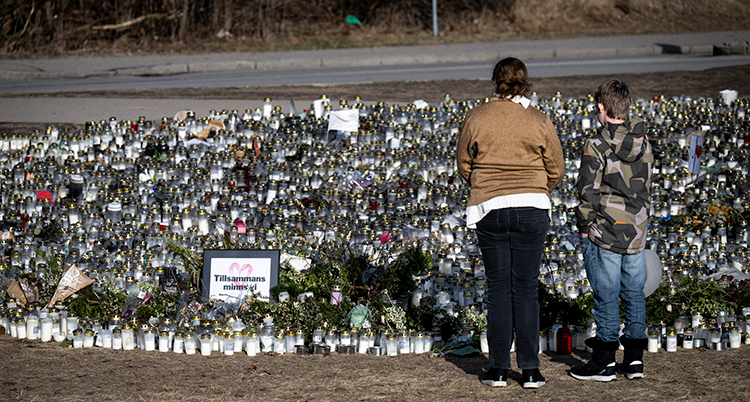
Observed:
{"x":544,"y":58}
{"x":556,"y":67}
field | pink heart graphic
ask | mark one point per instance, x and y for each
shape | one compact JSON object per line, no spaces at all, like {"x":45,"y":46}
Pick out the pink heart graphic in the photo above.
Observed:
{"x":236,"y":270}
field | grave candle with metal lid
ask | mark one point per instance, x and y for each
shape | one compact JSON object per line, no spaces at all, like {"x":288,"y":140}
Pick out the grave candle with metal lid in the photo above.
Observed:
{"x":279,"y":345}
{"x":128,"y":337}
{"x":190,"y":346}
{"x":687,"y":338}
{"x":653,"y":340}
{"x":735,"y":337}
{"x":251,"y":343}
{"x":78,"y":338}
{"x":178,"y":343}
{"x":32,"y":326}
{"x":671,"y":340}
{"x":15,"y":327}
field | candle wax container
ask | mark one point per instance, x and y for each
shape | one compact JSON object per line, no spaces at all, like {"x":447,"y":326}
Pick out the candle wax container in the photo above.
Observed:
{"x":21,"y":327}
{"x":32,"y":327}
{"x":687,"y":338}
{"x":78,"y":338}
{"x":279,"y":346}
{"x":164,"y":341}
{"x":251,"y":344}
{"x":229,"y":345}
{"x":46,"y":330}
{"x":205,"y":344}
{"x":391,"y":345}
{"x":88,"y":338}
{"x":178,"y":344}
{"x":106,"y":338}
{"x":671,"y":344}
{"x":564,"y":341}
{"x":190,"y":347}
{"x":128,"y":339}
{"x":117,"y":338}
{"x":149,"y":340}
{"x":653,"y":341}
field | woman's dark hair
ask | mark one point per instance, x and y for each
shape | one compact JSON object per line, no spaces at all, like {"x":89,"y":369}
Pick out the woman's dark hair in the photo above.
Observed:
{"x":510,"y":77}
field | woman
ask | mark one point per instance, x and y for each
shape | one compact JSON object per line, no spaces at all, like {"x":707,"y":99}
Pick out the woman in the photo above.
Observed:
{"x":511,"y":156}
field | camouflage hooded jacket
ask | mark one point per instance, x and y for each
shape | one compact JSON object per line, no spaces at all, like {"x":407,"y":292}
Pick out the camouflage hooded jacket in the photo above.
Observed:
{"x":614,"y":184}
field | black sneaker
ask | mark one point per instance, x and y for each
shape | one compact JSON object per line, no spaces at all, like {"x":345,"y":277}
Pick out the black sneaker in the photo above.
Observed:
{"x":533,"y":378}
{"x":495,"y":377}
{"x":595,"y":372}
{"x":631,"y":371}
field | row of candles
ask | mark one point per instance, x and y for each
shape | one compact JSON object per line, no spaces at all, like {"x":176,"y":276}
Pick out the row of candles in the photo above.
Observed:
{"x":203,"y":336}
{"x":207,"y":336}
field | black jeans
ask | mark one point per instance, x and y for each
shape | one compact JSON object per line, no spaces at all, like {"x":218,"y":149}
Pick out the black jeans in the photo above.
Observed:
{"x":512,"y":243}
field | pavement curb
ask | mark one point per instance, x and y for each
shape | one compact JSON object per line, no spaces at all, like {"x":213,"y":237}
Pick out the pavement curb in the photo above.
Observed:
{"x":304,"y":61}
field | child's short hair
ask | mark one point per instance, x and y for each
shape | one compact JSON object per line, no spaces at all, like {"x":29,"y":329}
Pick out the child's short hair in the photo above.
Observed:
{"x":615,"y":96}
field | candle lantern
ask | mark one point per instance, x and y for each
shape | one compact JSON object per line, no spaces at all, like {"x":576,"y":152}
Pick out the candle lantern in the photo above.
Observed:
{"x":251,"y":343}
{"x":391,"y":345}
{"x":178,"y":342}
{"x":735,"y":337}
{"x":78,"y":338}
{"x":117,"y":338}
{"x":671,"y":344}
{"x":653,"y":340}
{"x":279,"y":345}
{"x":564,"y":340}
{"x":190,"y":346}
{"x":128,"y":337}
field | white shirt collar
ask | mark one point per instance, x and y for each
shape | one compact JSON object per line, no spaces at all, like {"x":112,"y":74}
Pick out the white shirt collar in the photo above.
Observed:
{"x":519,"y":99}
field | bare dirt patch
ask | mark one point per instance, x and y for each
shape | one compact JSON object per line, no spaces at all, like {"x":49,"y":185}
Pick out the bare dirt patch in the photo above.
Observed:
{"x":46,"y":371}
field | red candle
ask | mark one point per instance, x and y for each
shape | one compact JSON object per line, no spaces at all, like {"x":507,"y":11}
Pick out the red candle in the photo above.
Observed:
{"x":564,"y":340}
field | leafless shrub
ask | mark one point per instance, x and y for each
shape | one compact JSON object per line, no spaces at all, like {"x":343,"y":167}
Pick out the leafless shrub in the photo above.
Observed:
{"x":69,"y":26}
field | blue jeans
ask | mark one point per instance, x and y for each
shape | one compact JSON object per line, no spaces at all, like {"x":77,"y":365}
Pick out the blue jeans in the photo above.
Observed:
{"x":512,"y":243}
{"x":613,"y":277}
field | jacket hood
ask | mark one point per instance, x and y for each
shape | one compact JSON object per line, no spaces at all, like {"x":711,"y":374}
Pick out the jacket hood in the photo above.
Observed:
{"x":627,"y":140}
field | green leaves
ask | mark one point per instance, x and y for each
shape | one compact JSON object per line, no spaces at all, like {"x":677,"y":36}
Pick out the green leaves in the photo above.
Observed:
{"x":688,"y":294}
{"x":557,"y":308}
{"x":158,"y":159}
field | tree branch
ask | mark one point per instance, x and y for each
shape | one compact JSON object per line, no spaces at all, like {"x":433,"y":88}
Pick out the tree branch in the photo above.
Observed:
{"x":126,"y":24}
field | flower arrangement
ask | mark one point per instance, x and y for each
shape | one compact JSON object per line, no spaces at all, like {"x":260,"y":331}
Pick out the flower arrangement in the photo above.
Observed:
{"x":376,"y":283}
{"x":714,"y":214}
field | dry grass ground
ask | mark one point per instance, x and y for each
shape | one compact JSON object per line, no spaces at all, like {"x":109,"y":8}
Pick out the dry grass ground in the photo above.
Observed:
{"x":35,"y":371}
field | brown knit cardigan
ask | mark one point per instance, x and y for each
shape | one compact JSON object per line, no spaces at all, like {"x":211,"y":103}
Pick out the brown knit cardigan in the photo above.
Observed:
{"x":505,"y":149}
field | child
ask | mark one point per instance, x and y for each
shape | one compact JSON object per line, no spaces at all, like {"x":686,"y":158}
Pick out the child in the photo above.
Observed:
{"x":614,"y":184}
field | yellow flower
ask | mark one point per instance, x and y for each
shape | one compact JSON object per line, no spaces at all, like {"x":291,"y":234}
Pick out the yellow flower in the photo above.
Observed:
{"x":713,"y":209}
